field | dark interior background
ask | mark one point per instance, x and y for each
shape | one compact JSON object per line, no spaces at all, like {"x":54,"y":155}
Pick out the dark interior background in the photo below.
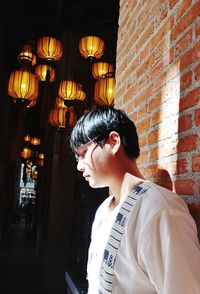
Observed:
{"x":66,"y":205}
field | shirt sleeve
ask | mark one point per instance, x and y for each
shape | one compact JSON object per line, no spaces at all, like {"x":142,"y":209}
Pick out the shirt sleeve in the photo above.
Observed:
{"x":169,"y":253}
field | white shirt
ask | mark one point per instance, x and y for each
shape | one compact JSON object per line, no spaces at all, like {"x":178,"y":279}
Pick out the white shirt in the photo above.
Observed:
{"x":104,"y":219}
{"x":159,"y":250}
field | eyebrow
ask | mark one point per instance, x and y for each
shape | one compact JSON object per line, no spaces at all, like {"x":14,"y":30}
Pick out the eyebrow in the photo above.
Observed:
{"x":86,"y":144}
{"x":82,"y":146}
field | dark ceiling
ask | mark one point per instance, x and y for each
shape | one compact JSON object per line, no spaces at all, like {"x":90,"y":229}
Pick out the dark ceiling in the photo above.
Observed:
{"x":21,"y":16}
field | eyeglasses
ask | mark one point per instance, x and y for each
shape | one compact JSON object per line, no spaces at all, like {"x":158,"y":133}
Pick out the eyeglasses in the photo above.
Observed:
{"x":82,"y":150}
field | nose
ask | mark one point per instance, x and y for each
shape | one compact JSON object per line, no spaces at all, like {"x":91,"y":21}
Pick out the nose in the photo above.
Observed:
{"x":80,"y":165}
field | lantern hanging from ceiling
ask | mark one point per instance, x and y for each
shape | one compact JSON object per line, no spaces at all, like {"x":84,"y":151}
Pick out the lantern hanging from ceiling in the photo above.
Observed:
{"x":102,"y":69}
{"x":41,"y":155}
{"x":27,"y":138}
{"x":23,"y":86}
{"x":91,"y":47}
{"x":35,"y":174}
{"x":57,"y":117}
{"x":42,"y":71}
{"x":49,"y":48}
{"x":40,"y":160}
{"x":80,"y":93}
{"x":35,"y":141}
{"x":59,"y":102}
{"x":68,"y":90}
{"x":26,"y":153}
{"x":104,"y":91}
{"x":26,"y":56}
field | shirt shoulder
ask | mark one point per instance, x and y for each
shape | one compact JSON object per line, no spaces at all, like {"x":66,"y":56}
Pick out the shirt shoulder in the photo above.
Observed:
{"x":156,"y":198}
{"x":153,"y":201}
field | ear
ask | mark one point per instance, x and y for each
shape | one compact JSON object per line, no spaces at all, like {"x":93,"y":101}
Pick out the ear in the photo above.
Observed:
{"x":115,"y":141}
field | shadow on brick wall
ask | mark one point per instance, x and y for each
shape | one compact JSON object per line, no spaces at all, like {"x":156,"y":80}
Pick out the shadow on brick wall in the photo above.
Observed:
{"x":164,"y":180}
{"x":195,"y":212}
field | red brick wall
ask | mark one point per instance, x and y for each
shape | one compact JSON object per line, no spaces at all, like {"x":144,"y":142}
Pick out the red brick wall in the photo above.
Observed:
{"x":158,"y":85}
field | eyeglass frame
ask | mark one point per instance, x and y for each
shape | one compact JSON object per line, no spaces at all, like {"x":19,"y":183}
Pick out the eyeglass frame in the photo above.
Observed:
{"x":81,"y":157}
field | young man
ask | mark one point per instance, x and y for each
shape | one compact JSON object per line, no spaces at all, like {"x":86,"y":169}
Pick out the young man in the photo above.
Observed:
{"x":144,"y":240}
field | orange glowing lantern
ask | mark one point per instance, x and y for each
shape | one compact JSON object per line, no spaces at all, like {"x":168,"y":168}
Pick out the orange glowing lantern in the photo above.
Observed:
{"x":80,"y":94}
{"x":27,"y":56}
{"x":49,"y":48}
{"x":68,"y":90}
{"x":42,"y":71}
{"x":104,"y":91}
{"x":23,"y":86}
{"x":102,"y":69}
{"x":57,"y":117}
{"x":35,"y":141}
{"x":40,"y":160}
{"x":26,"y":153}
{"x":91,"y":47}
{"x":59,"y":102}
{"x":27,"y":138}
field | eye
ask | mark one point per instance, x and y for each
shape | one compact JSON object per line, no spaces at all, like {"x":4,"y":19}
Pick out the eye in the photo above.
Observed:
{"x":83,"y":153}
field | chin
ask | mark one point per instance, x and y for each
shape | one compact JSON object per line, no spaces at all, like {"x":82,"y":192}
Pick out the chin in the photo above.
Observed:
{"x":96,"y":185}
{"x":92,"y":185}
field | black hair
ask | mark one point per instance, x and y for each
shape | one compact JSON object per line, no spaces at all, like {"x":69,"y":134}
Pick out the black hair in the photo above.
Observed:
{"x":99,"y":122}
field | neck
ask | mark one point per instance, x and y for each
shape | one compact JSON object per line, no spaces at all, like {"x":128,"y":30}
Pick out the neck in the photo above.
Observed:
{"x":125,"y":181}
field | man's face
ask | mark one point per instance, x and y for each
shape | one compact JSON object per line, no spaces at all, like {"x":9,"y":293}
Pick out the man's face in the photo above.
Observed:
{"x":94,"y":163}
